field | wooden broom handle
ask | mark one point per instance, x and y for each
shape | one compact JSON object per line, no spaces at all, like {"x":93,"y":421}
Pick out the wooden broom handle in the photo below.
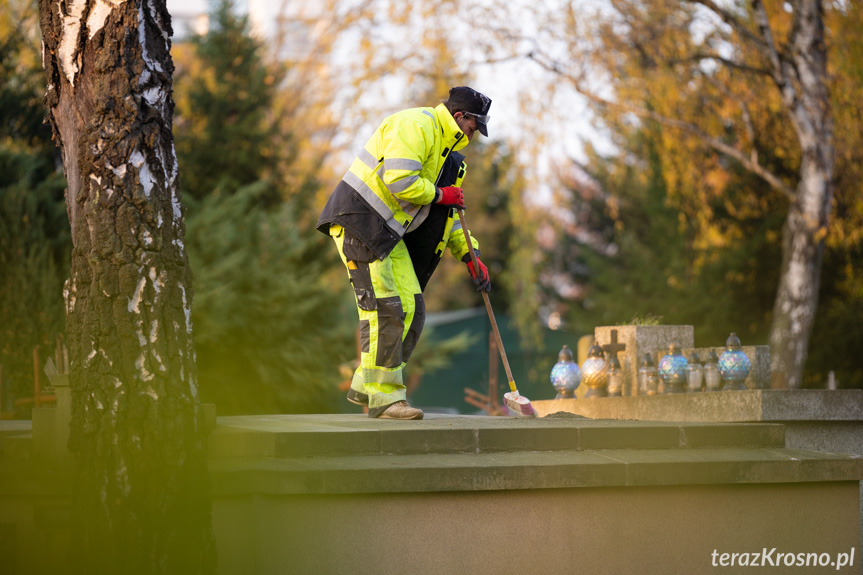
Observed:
{"x":494,"y":328}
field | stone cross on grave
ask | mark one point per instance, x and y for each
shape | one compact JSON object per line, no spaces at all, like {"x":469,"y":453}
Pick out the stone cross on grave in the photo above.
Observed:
{"x":614,"y":347}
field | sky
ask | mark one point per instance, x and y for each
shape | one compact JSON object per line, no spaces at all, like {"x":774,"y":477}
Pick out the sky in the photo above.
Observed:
{"x":565,"y":128}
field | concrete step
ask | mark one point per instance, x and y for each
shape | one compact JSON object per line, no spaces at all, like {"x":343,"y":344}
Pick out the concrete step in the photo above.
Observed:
{"x":16,"y":439}
{"x":288,"y":436}
{"x":343,"y":454}
{"x":527,"y":470}
{"x":16,"y":446}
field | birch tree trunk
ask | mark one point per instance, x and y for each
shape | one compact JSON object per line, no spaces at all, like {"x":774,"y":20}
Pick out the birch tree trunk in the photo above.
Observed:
{"x":800,"y":73}
{"x":141,"y":496}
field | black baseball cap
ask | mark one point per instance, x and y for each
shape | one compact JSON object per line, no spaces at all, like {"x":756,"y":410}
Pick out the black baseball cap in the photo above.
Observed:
{"x":473,"y":104}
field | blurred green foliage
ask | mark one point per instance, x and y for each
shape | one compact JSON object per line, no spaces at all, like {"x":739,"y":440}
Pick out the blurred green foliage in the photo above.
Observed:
{"x":35,"y":242}
{"x":658,"y":267}
{"x":34,"y":259}
{"x":273,"y":314}
{"x":269,"y":331}
{"x":225,"y":136}
{"x":656,"y":270}
{"x":267,"y":328}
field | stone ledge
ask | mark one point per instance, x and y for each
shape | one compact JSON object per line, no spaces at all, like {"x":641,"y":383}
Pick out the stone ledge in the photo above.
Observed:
{"x":528,"y":470}
{"x":345,"y":454}
{"x":292,"y":436}
{"x":16,"y":446}
{"x":760,"y":405}
{"x":15,"y":427}
{"x":28,"y":477}
{"x":332,"y":454}
{"x":812,"y":405}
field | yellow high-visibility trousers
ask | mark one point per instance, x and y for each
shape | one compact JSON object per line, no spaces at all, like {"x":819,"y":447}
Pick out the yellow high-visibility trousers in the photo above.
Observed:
{"x":391,"y":311}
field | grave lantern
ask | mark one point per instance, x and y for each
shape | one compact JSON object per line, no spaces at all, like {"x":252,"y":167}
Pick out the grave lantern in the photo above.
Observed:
{"x":672,"y":370}
{"x":694,"y":373}
{"x":733,"y":364}
{"x":647,"y":377}
{"x":594,"y":373}
{"x":615,"y":378}
{"x":611,"y":350}
{"x":565,"y":375}
{"x":712,"y":381}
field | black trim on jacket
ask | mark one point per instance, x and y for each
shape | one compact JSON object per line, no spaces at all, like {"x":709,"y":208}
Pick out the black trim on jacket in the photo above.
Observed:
{"x":346,"y":208}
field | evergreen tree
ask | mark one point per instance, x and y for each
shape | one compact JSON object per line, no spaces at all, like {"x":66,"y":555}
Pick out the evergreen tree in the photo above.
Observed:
{"x":34,"y":257}
{"x":34,"y":230}
{"x":269,"y":331}
{"x":225,"y":94}
{"x":658,"y":269}
{"x":269,"y":334}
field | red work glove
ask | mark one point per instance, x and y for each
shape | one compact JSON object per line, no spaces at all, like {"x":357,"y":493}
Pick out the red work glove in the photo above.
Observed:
{"x":481,"y":279}
{"x":451,"y":197}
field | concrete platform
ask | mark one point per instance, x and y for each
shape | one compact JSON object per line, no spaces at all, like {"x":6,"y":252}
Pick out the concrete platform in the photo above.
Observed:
{"x":560,"y":494}
{"x":814,"y":419}
{"x":354,"y":454}
{"x":461,"y":494}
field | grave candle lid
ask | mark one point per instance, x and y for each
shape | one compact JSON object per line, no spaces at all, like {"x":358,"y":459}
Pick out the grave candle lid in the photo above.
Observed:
{"x":733,"y":342}
{"x":647,"y":361}
{"x":712,"y":357}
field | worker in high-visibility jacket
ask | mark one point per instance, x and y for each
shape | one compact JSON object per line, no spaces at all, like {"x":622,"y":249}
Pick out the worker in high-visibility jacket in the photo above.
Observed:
{"x":394,"y":188}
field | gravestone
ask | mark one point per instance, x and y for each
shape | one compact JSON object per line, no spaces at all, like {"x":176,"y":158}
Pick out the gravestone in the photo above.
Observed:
{"x":641,"y":339}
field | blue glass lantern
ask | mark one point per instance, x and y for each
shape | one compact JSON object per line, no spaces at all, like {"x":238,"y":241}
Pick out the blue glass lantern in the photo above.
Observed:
{"x":565,"y":375}
{"x":594,"y":373}
{"x":734,"y":365}
{"x":672,"y":369}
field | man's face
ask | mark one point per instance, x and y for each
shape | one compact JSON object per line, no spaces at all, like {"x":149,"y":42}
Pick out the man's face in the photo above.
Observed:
{"x":466,"y":124}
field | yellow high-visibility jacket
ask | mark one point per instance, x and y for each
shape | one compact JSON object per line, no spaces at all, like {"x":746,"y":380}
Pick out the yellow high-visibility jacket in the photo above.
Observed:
{"x":441,"y":229}
{"x":388,"y":189}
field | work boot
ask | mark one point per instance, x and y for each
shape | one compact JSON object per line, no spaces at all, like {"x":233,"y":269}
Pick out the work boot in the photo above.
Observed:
{"x":358,"y":397}
{"x":397,"y":410}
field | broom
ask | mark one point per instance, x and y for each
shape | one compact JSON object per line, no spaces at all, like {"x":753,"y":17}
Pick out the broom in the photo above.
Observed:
{"x":515,"y":403}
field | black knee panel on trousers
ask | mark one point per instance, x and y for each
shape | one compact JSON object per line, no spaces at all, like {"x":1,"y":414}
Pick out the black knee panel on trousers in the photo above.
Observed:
{"x":391,"y":326}
{"x":416,"y":327}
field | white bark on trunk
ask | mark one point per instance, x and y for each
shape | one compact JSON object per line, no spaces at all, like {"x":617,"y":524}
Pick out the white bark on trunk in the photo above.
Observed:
{"x":801,"y":76}
{"x":135,"y":414}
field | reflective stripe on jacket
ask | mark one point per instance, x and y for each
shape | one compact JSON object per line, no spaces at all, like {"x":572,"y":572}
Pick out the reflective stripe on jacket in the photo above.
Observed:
{"x":391,"y":182}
